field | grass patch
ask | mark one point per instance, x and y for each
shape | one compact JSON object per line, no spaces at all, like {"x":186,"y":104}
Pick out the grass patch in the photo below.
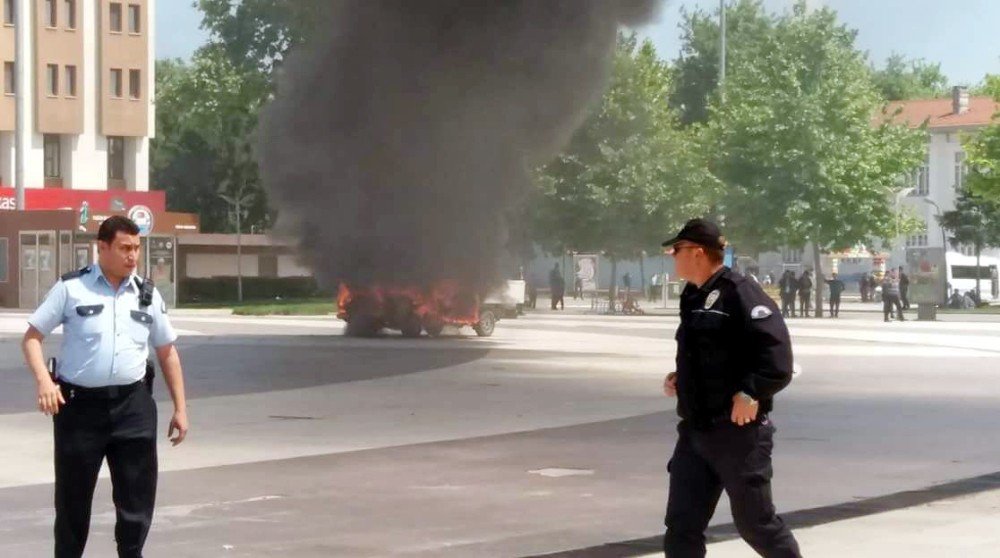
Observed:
{"x":284,"y":307}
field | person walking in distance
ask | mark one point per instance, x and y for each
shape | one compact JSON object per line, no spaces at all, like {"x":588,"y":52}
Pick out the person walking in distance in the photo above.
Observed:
{"x":733,"y":355}
{"x":789,"y":287}
{"x":557,"y":288}
{"x":863,"y":287}
{"x":836,"y":289}
{"x":100,"y":390}
{"x":890,"y":296}
{"x":904,"y":289}
{"x":805,"y":293}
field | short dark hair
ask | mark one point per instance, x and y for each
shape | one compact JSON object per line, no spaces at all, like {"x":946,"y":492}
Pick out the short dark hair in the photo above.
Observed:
{"x":714,"y":255}
{"x":115,"y":224}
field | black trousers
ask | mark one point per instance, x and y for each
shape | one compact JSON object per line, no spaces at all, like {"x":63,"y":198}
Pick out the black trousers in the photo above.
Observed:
{"x":804,"y":297}
{"x":787,"y":304}
{"x":905,"y":298}
{"x":834,"y":306}
{"x":557,"y":300}
{"x":888,"y":303}
{"x":88,"y":429}
{"x":727,"y":457}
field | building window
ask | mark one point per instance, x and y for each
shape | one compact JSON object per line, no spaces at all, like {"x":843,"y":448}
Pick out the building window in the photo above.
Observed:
{"x":116,"y":158}
{"x":135,"y":84}
{"x":53,"y":156}
{"x":53,"y":79}
{"x":71,"y":81}
{"x":791,"y":256}
{"x":8,"y":12}
{"x":134,"y":18}
{"x":9,"y":78}
{"x":922,"y":180}
{"x":960,"y":170}
{"x":51,"y":13}
{"x":115,"y":22}
{"x":116,"y":83}
{"x":918,"y":240}
{"x":70,"y":13}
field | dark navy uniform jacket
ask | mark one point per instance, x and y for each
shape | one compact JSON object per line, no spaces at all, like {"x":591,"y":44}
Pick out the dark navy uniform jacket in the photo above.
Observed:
{"x":732,"y":338}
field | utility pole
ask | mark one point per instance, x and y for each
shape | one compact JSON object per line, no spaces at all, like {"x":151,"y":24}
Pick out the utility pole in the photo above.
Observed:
{"x":239,"y":200}
{"x":21,"y":36}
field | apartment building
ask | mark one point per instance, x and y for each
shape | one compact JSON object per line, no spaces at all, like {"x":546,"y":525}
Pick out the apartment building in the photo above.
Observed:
{"x":89,"y":116}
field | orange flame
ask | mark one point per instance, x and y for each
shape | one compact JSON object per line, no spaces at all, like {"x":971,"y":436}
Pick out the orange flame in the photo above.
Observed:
{"x":445,"y":302}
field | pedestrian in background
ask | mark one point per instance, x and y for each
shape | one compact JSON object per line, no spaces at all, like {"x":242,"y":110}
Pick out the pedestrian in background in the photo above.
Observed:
{"x":836,"y":289}
{"x":863,"y":287}
{"x":904,"y":289}
{"x":789,"y":288}
{"x":577,"y":287}
{"x":733,"y":355}
{"x":805,"y":293}
{"x":627,"y":283}
{"x":557,"y":288}
{"x":890,"y":296}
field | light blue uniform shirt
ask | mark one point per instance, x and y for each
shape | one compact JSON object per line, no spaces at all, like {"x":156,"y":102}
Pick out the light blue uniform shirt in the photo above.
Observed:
{"x":106,"y":335}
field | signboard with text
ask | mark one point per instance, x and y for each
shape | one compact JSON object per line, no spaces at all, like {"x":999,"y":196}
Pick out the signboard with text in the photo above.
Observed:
{"x":96,"y":200}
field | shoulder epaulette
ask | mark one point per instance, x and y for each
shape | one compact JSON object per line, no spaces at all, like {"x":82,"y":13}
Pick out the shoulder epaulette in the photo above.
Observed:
{"x":75,"y":274}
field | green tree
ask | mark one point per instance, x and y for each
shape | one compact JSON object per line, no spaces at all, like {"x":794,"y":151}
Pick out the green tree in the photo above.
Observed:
{"x":206,"y":115}
{"x":795,"y":143}
{"x":256,"y":34}
{"x":983,"y":150}
{"x":697,"y":67}
{"x":629,"y":173}
{"x":974,"y":222}
{"x":902,"y":79}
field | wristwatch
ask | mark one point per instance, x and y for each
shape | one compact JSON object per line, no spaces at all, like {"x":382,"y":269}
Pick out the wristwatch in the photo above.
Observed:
{"x":747,"y":398}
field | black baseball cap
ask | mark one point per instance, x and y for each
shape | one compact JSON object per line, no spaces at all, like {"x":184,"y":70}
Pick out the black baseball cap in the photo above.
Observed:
{"x":702,"y":232}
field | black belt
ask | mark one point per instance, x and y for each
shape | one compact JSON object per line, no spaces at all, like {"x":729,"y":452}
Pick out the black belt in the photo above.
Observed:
{"x":103,"y":392}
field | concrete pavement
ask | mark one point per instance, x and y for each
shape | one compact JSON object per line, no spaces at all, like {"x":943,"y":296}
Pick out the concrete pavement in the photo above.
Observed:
{"x":552,"y":436}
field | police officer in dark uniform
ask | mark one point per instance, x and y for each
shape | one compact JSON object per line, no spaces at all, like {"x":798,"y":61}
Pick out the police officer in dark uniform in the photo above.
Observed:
{"x":733,"y":355}
{"x":100,"y":390}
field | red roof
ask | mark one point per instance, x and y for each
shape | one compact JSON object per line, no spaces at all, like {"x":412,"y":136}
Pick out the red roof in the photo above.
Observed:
{"x":939,"y":113}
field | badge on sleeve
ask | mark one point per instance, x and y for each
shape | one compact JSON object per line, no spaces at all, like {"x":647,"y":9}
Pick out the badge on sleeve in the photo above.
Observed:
{"x":712,"y":298}
{"x":760,"y":312}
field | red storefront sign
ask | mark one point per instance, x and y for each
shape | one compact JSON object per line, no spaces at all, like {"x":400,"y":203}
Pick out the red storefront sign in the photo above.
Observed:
{"x":96,"y":200}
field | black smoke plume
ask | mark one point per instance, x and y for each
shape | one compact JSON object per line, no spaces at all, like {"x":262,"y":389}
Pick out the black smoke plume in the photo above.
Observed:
{"x":405,"y":130}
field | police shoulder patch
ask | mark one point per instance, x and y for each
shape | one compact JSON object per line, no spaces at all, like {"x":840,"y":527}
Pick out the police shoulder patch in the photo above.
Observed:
{"x":760,"y":312}
{"x":712,"y":298}
{"x":75,"y":274}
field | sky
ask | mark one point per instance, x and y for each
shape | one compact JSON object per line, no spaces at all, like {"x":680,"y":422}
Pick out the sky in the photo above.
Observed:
{"x":963,"y":40}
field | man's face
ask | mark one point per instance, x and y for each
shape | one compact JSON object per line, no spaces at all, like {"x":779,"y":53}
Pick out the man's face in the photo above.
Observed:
{"x":687,"y":256}
{"x":120,"y":256}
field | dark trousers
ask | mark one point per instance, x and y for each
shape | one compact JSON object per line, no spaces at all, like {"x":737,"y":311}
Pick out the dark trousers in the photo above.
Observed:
{"x":557,"y":300}
{"x":904,"y":295}
{"x":88,"y":429}
{"x":888,"y":303}
{"x":788,"y":304}
{"x":834,"y":306}
{"x":804,"y":302}
{"x":727,"y":457}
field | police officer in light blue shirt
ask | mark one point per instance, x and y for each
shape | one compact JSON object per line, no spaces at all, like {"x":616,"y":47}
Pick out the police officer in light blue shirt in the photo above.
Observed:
{"x":100,"y":393}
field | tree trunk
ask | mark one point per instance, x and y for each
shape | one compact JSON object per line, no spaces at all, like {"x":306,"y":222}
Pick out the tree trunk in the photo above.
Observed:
{"x":642,"y":272}
{"x":979,"y":294}
{"x":613,"y":288}
{"x":819,"y":280}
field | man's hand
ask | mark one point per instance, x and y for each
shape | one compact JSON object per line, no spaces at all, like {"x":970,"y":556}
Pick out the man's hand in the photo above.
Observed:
{"x":744,"y":409}
{"x":670,"y":385}
{"x":178,"y":423}
{"x":50,"y":397}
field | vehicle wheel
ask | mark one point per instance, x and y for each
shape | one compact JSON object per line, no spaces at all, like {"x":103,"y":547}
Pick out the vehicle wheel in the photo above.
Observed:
{"x":411,"y":326}
{"x":434,"y":327}
{"x":487,"y":323}
{"x":363,"y":326}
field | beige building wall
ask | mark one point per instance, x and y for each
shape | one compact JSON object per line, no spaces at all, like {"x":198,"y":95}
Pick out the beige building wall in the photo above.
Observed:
{"x":124,"y":60}
{"x":7,"y":51}
{"x":59,"y":96}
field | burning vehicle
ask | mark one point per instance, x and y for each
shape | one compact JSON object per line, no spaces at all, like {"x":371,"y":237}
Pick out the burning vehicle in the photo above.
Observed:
{"x":413,"y":310}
